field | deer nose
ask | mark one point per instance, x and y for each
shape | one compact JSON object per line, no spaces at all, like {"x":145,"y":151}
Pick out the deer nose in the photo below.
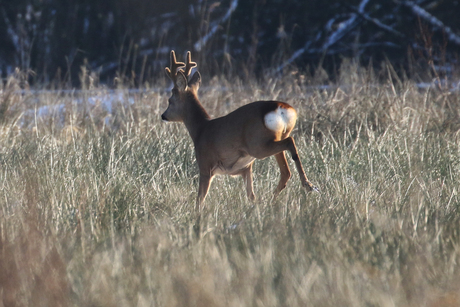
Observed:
{"x":163,"y":117}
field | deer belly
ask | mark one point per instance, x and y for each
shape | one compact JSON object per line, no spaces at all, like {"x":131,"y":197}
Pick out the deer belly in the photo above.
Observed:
{"x":232,"y":168}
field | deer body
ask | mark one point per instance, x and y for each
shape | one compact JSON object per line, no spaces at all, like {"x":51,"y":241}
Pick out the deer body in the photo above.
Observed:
{"x":231,"y":143}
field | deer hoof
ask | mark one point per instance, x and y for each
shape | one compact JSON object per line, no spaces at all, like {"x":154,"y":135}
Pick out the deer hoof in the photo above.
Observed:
{"x":310,"y":187}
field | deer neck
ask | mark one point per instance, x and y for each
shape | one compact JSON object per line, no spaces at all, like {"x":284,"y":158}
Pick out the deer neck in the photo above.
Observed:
{"x":196,"y":117}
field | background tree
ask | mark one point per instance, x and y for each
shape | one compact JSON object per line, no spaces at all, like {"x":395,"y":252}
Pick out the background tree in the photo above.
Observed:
{"x":131,"y":38}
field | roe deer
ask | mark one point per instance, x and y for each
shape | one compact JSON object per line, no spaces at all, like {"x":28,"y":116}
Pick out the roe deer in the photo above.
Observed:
{"x":230,"y":144}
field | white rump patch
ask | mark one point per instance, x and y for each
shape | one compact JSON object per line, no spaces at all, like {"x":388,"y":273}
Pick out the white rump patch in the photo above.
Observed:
{"x":280,"y":119}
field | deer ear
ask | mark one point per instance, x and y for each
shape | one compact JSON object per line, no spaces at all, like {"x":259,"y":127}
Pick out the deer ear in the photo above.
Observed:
{"x":181,"y":81}
{"x":195,"y":81}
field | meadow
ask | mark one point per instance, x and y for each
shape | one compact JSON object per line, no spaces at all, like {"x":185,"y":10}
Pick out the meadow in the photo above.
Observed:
{"x":97,"y":198}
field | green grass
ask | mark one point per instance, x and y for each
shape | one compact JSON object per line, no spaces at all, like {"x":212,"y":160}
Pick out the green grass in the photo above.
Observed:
{"x":100,"y":212}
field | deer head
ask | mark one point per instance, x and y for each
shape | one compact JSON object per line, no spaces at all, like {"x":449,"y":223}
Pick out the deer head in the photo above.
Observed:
{"x":184,"y":90}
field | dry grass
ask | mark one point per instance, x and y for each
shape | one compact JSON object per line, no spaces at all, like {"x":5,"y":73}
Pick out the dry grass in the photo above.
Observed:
{"x":97,"y":203}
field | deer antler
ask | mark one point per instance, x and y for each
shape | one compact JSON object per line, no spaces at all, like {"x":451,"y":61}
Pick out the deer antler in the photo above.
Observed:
{"x":189,"y":65}
{"x":172,"y":73}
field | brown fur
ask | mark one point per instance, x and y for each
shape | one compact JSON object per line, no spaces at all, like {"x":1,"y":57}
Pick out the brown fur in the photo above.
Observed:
{"x":230,"y":144}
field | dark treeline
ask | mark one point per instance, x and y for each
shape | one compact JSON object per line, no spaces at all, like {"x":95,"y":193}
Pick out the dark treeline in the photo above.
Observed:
{"x":132,"y":38}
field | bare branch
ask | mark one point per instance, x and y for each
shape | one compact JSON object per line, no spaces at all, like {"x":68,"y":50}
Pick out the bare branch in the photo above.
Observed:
{"x":376,"y":22}
{"x":433,"y":21}
{"x":202,"y":42}
{"x":332,"y":39}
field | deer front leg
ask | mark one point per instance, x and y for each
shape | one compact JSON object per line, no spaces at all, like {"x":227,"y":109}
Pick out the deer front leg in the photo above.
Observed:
{"x":285,"y":172}
{"x":247,"y":178}
{"x":205,"y":181}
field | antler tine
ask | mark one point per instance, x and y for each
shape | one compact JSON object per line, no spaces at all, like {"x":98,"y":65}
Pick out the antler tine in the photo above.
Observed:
{"x":172,"y":73}
{"x":189,"y":64}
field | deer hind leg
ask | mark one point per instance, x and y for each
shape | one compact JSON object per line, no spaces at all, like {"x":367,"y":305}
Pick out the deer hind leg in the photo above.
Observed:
{"x":303,"y":178}
{"x":247,"y":178}
{"x":275,"y":147}
{"x":285,"y":173}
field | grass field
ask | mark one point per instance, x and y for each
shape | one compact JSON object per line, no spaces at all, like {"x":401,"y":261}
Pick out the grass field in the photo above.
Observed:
{"x":97,"y":200}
